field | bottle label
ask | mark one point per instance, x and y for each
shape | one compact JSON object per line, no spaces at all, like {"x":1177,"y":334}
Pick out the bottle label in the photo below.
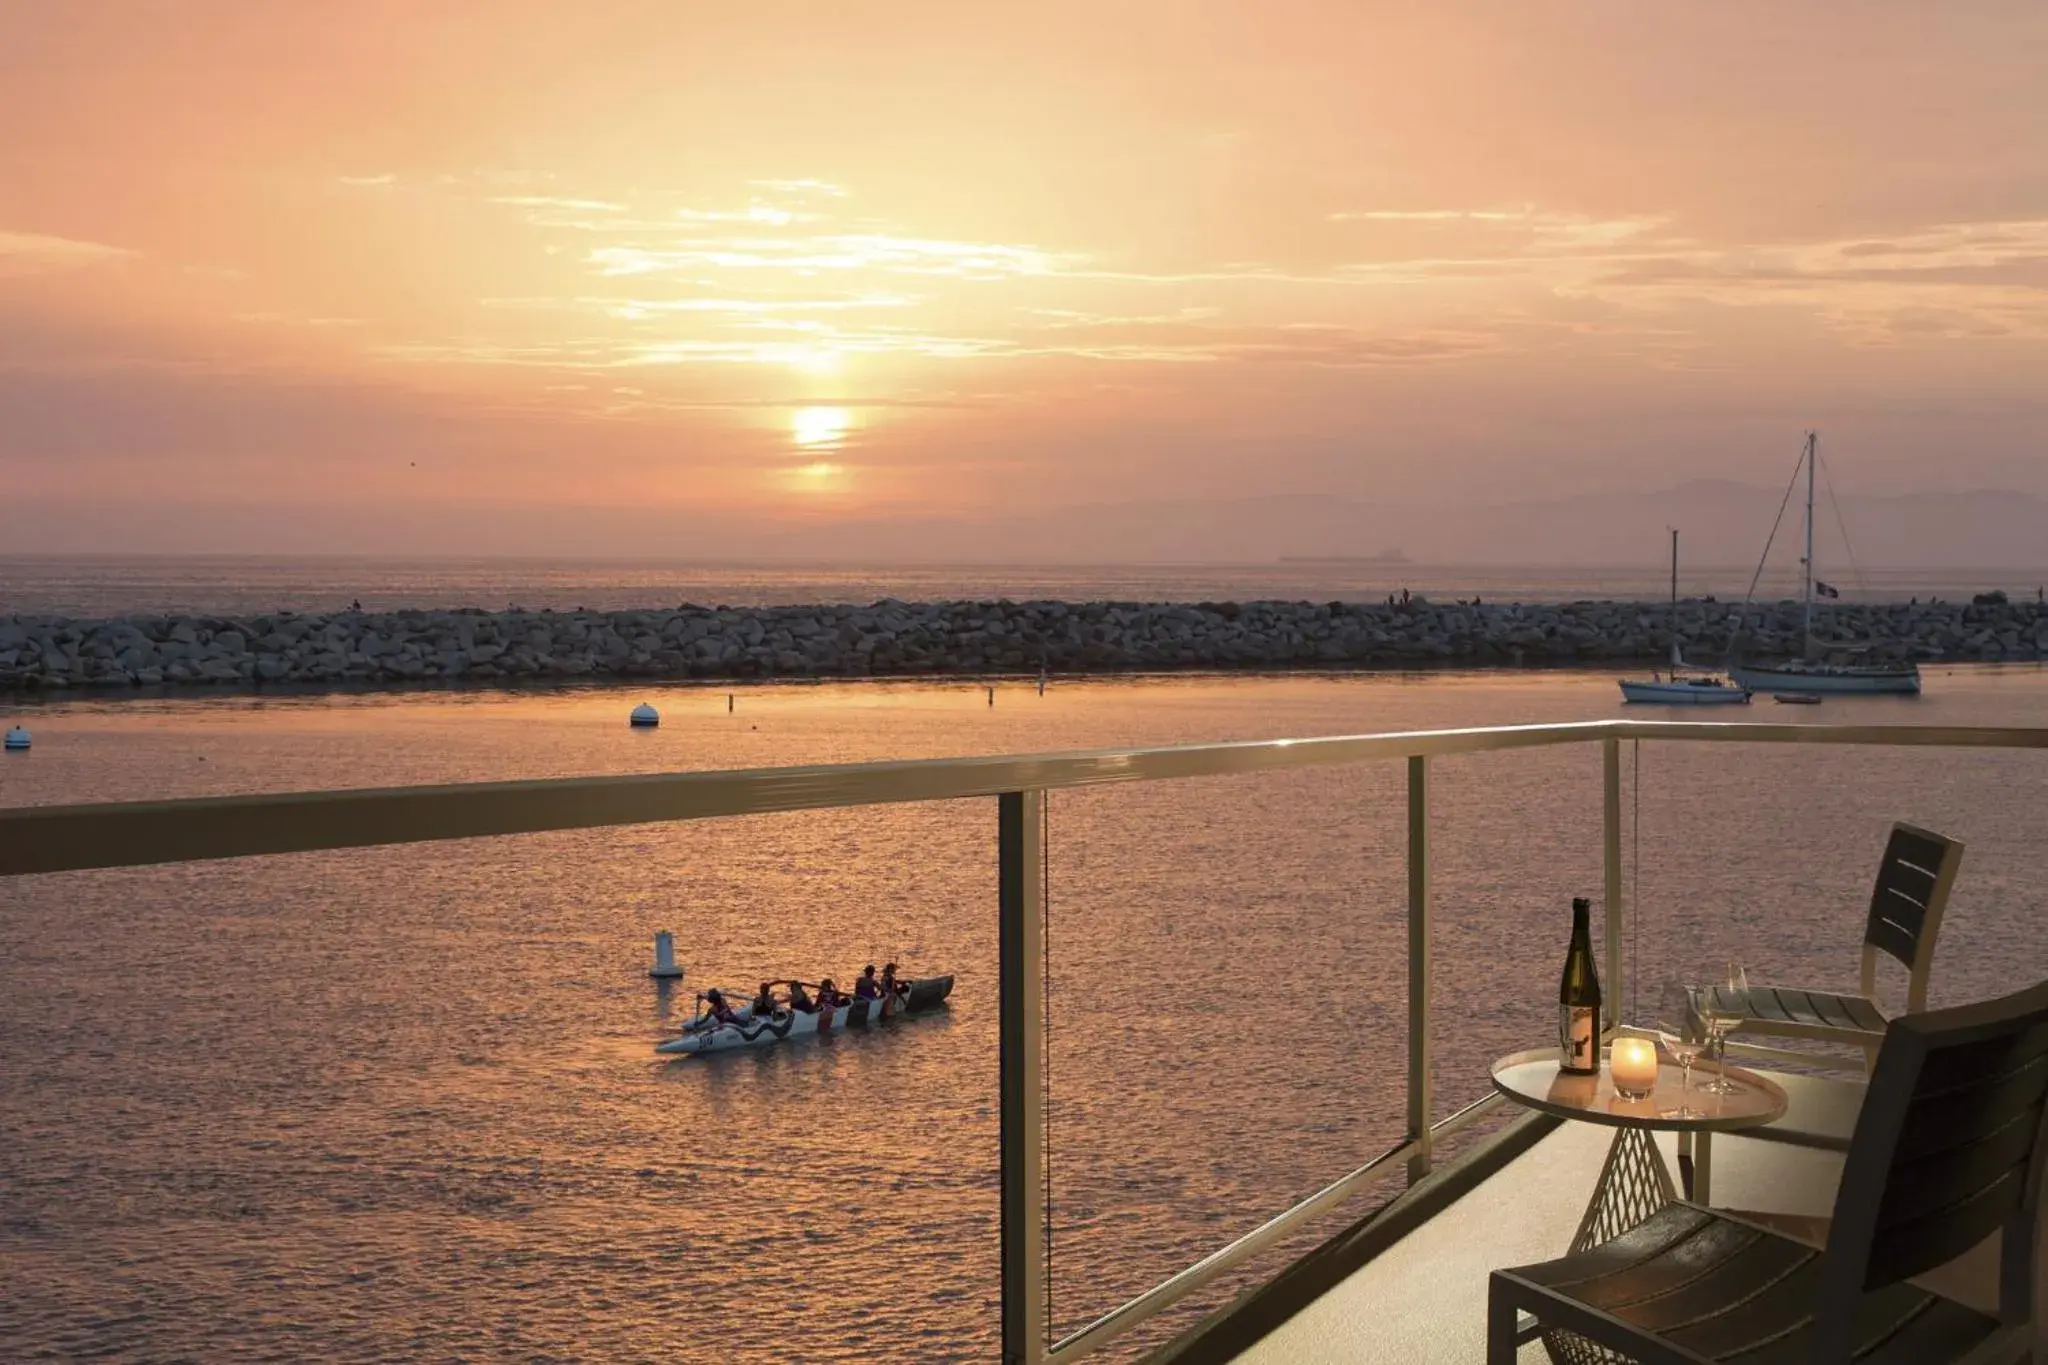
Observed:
{"x":1578,"y":1041}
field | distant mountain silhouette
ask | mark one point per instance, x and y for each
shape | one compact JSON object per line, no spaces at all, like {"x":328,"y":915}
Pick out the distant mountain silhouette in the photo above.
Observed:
{"x":1727,"y":523}
{"x":1724,"y":525}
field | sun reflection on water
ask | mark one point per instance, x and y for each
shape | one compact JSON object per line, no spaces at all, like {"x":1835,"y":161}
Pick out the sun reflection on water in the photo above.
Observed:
{"x":820,"y":476}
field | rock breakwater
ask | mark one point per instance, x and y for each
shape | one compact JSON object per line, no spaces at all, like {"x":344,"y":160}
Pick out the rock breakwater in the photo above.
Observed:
{"x":892,"y":638}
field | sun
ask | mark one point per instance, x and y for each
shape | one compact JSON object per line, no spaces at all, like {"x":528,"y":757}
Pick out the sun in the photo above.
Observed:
{"x":819,"y":428}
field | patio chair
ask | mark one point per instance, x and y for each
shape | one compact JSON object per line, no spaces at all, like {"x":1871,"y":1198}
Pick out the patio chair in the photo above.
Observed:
{"x":1947,"y":1151}
{"x":1913,"y":881}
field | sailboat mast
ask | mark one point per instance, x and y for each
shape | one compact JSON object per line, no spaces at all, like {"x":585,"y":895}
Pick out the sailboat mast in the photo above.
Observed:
{"x":1806,"y":596}
{"x":1675,"y":652}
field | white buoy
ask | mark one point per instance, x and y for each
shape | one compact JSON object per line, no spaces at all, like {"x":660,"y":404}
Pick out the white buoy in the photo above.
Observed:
{"x":17,"y":738}
{"x":664,"y":968}
{"x":644,"y":716}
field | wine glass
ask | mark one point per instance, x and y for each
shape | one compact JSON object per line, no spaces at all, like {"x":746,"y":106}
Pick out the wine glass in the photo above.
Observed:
{"x":1722,"y":1010}
{"x":1683,"y":1043}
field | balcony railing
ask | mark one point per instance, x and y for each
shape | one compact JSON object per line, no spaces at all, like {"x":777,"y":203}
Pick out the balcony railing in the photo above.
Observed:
{"x":81,"y":837}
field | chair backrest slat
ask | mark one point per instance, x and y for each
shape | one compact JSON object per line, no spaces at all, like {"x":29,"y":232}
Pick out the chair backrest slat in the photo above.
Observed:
{"x":1935,"y":1188}
{"x":1907,"y":878}
{"x":1913,"y":881}
{"x":1942,"y":1121}
{"x":1947,"y":1149}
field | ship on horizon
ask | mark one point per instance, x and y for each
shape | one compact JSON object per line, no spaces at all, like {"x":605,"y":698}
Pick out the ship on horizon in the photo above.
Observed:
{"x":1383,"y":557}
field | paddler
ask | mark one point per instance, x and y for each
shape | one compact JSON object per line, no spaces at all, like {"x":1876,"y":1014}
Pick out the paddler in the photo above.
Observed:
{"x":829,"y":999}
{"x":867,"y":988}
{"x":891,"y":992}
{"x":764,"y":1003}
{"x":800,"y":1000}
{"x":720,"y":1012}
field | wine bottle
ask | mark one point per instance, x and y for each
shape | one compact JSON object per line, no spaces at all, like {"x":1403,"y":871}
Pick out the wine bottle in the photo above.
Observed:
{"x":1578,"y":999}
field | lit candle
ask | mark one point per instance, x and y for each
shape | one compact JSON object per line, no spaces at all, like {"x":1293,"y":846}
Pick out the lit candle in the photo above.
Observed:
{"x":1633,"y":1064}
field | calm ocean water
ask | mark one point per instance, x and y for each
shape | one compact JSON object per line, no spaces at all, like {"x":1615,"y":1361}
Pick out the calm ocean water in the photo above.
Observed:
{"x":402,"y":1105}
{"x":229,"y":585}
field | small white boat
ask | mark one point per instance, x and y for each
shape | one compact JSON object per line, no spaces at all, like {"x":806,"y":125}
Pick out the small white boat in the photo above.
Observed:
{"x":1699,"y":689}
{"x":704,"y":1034}
{"x":1898,"y":680}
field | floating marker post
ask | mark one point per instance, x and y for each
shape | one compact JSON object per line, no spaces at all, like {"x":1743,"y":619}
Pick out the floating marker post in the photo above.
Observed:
{"x":728,"y":703}
{"x":664,"y":968}
{"x":991,"y":696}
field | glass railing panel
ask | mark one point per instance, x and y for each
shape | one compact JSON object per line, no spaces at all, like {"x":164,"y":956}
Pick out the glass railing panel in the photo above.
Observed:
{"x":1517,"y":835}
{"x":403,"y":1103}
{"x":1227,"y":1031}
{"x":1766,"y":855}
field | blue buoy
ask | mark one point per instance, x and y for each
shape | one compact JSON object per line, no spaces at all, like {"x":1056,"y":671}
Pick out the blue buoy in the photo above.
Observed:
{"x":17,"y":738}
{"x":644,"y":715}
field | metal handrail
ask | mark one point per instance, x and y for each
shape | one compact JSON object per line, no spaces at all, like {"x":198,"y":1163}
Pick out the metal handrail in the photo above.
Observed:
{"x":70,"y":838}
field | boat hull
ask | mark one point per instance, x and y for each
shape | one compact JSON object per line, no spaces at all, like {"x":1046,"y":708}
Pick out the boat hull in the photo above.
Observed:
{"x":1870,"y":681}
{"x":789,"y":1025}
{"x":1684,"y":694}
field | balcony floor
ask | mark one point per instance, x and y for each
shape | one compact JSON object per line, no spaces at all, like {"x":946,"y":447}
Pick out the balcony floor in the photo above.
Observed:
{"x":1423,"y":1300}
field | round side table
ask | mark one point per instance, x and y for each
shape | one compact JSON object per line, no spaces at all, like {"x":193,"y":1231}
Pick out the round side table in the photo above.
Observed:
{"x":1634,"y":1180}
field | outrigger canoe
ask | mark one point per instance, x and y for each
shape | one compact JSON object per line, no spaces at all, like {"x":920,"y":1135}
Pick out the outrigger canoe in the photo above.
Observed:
{"x":703,"y":1034}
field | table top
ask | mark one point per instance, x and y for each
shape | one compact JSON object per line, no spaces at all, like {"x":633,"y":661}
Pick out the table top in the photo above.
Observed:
{"x":1532,"y":1078}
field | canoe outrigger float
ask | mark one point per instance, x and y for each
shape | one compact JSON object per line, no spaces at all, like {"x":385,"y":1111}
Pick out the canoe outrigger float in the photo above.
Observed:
{"x":705,"y":1034}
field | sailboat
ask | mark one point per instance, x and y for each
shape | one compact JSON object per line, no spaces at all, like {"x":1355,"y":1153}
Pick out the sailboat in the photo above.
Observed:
{"x":1810,"y":675}
{"x":1700,"y":689}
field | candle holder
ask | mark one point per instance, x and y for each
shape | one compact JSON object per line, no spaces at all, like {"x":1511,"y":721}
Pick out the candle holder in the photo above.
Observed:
{"x":1632,"y":1065}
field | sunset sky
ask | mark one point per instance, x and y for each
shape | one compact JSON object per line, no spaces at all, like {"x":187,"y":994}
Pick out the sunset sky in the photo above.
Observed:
{"x":628,"y":276}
